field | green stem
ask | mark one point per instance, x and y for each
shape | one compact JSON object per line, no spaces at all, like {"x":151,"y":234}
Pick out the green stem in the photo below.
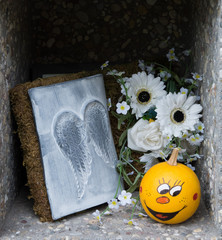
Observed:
{"x":134,"y":207}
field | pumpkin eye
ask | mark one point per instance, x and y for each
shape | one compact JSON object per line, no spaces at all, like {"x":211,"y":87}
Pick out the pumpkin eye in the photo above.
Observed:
{"x":163,"y":188}
{"x":175,"y":191}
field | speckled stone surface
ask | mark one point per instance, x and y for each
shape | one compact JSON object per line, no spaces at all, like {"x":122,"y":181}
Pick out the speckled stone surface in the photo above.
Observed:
{"x":22,"y":224}
{"x":207,"y":61}
{"x":14,"y":68}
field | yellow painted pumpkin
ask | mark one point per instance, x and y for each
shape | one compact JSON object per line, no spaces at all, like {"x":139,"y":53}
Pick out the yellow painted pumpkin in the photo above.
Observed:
{"x":170,"y":191}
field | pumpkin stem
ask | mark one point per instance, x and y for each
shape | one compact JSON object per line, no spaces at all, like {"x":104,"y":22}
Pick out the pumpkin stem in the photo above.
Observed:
{"x":173,"y":158}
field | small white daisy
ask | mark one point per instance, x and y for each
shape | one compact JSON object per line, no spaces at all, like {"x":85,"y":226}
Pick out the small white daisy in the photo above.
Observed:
{"x":199,"y":127}
{"x":164,"y":75}
{"x":125,"y":198}
{"x":185,"y":135}
{"x":186,"y":52}
{"x":142,"y":215}
{"x":133,"y":201}
{"x":172,"y":51}
{"x":104,"y":65}
{"x":114,"y":72}
{"x":109,"y":103}
{"x":123,"y":89}
{"x":191,"y":159}
{"x":97,"y":215}
{"x":113,"y":204}
{"x":171,"y":146}
{"x":172,"y":57}
{"x":122,"y":107}
{"x":163,"y":154}
{"x":150,"y":69}
{"x":141,"y":65}
{"x":148,"y":157}
{"x":195,"y":139}
{"x":196,"y":155}
{"x":130,"y":222}
{"x":184,"y":90}
{"x":144,"y":91}
{"x":177,"y":113}
{"x":197,"y":76}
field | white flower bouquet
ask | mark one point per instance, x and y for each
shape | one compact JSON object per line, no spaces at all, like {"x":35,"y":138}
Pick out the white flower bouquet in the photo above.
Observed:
{"x":159,"y":111}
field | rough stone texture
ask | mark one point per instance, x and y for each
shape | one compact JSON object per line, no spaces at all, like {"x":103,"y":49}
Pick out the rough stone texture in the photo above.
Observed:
{"x":14,"y":61}
{"x":22,"y":224}
{"x":207,"y":61}
{"x":95,"y":31}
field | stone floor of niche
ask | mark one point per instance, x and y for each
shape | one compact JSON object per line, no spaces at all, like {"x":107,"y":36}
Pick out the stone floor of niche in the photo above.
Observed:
{"x":21,"y":223}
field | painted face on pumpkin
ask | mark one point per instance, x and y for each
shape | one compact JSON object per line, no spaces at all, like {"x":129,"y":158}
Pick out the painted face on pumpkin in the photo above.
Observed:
{"x":170,"y":196}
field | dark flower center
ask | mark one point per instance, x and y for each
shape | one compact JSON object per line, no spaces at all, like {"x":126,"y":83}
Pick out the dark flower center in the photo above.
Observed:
{"x":143,"y":96}
{"x":178,"y":116}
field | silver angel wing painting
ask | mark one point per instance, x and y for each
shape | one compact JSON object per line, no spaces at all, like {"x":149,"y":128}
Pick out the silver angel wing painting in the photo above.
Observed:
{"x":77,"y":149}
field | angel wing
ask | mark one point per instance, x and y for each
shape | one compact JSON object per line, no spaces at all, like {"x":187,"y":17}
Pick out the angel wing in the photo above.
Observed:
{"x":70,"y":135}
{"x":98,"y":130}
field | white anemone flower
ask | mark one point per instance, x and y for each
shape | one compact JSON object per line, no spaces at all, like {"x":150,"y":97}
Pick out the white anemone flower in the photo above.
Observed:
{"x":144,"y":91}
{"x":122,"y":108}
{"x":113,"y":204}
{"x":184,"y":90}
{"x":150,"y":69}
{"x":177,"y":113}
{"x":197,"y":76}
{"x":130,"y":222}
{"x":109,"y":103}
{"x":195,"y":139}
{"x":125,"y":198}
{"x":104,"y":65}
{"x":97,"y":215}
{"x":199,"y":127}
{"x":141,"y":65}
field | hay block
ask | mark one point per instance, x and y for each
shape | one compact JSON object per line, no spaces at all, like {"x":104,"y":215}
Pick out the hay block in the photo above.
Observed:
{"x":22,"y":110}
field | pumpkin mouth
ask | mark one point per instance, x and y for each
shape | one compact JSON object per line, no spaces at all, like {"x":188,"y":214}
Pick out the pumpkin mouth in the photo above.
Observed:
{"x":163,"y":216}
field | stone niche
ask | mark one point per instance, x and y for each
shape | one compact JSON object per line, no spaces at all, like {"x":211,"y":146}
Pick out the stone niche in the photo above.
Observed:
{"x":81,"y":35}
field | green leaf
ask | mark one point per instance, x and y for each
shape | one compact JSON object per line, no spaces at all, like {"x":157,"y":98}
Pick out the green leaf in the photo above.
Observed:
{"x":126,"y":178}
{"x":122,"y":137}
{"x":135,"y":184}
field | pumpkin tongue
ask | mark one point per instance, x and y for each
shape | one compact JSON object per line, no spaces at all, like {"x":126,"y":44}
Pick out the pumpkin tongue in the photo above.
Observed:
{"x":173,"y":158}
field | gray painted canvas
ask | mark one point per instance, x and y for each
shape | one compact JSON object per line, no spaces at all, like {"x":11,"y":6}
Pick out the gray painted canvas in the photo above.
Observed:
{"x":76,"y":143}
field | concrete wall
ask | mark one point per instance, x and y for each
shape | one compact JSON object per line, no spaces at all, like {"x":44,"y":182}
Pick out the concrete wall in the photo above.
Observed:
{"x":14,"y":68}
{"x":207,"y":36}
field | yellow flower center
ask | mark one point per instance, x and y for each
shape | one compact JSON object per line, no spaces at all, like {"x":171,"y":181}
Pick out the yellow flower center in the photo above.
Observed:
{"x":130,"y":222}
{"x":114,"y":203}
{"x":122,"y":107}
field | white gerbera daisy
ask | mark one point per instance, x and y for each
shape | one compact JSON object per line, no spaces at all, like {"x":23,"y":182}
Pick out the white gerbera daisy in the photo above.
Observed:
{"x":144,"y":91}
{"x":177,"y":113}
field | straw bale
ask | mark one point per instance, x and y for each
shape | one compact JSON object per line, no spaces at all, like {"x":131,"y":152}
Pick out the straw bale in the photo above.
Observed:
{"x":22,"y":110}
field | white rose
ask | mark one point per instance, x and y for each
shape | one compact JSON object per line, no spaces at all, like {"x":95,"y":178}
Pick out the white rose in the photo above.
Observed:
{"x":145,"y":136}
